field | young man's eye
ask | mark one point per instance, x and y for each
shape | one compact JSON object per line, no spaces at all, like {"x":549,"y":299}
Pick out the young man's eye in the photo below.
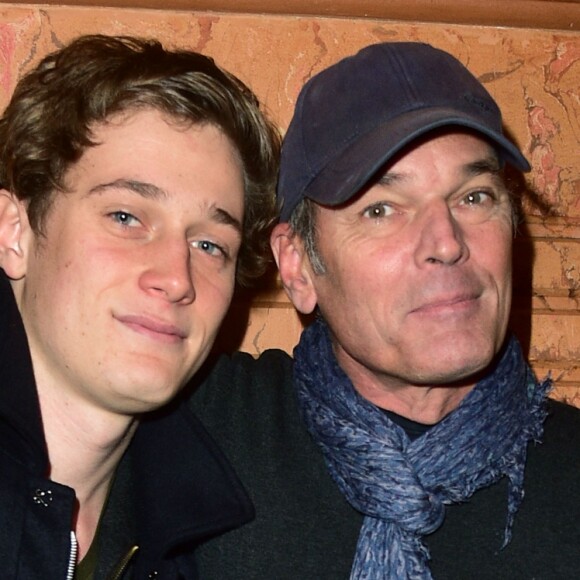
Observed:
{"x":378,"y":210}
{"x":124,"y":218}
{"x":210,"y":248}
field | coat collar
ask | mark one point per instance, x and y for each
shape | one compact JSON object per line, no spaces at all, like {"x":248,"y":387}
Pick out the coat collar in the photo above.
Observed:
{"x":184,"y":489}
{"x":20,"y":420}
{"x":192,"y":492}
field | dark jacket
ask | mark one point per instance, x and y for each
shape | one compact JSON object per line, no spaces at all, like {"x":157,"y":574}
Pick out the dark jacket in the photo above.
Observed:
{"x":166,"y":497}
{"x":304,"y":528}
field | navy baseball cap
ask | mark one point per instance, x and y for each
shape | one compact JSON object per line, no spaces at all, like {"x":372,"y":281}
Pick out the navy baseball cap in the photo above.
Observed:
{"x":353,"y":117}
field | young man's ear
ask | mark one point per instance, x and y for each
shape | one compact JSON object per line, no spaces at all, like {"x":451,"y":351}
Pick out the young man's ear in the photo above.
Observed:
{"x":14,"y":230}
{"x":294,"y":267}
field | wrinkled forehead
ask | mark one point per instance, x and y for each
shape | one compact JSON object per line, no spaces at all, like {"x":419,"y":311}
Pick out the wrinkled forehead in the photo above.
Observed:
{"x":466,"y":155}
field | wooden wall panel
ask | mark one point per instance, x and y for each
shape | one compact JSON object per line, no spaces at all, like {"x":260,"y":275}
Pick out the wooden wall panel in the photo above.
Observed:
{"x":533,"y":72}
{"x":547,"y":14}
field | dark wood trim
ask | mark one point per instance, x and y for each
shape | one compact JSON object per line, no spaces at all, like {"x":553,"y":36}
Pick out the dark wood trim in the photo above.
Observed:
{"x":547,"y":14}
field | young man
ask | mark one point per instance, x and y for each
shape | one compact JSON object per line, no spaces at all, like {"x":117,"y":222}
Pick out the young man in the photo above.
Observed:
{"x":132,"y":179}
{"x":403,"y":440}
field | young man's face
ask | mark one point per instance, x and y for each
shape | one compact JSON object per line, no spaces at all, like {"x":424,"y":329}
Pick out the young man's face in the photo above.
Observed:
{"x":123,"y":297}
{"x":418,"y":282}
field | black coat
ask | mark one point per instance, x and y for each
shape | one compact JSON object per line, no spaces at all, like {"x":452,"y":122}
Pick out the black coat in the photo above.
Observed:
{"x":304,"y":527}
{"x":173,"y":487}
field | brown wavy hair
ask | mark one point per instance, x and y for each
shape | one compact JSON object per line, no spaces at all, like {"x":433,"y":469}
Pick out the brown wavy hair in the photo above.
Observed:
{"x":48,"y":123}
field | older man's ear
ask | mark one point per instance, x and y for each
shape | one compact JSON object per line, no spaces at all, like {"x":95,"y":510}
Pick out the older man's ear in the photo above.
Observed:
{"x":294,"y":267}
{"x":14,"y":234}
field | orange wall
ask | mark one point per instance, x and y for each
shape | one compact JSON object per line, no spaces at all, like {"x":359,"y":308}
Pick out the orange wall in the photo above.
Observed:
{"x":534,"y":73}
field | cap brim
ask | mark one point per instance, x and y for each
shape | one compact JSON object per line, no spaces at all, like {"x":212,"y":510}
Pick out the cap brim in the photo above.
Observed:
{"x":350,"y":171}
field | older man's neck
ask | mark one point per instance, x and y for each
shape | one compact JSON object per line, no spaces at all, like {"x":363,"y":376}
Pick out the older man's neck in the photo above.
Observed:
{"x":420,"y":403}
{"x":426,"y":405}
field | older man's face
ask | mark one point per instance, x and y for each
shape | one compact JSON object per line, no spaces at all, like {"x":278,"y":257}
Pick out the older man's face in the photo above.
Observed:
{"x":418,"y":283}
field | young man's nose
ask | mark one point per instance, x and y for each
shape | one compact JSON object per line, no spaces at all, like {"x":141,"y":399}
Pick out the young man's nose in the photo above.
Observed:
{"x":169,"y":271}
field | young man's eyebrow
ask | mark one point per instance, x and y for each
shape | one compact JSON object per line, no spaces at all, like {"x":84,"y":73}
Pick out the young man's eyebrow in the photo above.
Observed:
{"x":141,"y":187}
{"x":222,"y":216}
{"x":148,"y":190}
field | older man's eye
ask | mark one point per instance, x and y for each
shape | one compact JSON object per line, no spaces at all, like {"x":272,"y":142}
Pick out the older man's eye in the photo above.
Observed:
{"x":378,"y":211}
{"x":475,"y":198}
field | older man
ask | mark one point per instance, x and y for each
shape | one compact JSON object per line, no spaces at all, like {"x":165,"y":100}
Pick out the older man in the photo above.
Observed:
{"x":408,"y":438}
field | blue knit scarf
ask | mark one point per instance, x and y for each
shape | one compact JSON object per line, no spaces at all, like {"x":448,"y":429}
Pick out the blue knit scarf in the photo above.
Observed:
{"x":402,"y":486}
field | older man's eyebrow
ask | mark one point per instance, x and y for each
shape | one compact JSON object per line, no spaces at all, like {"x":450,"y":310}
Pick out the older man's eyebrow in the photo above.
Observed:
{"x":142,"y":188}
{"x":486,"y":165}
{"x":390,"y":177}
{"x":478,"y":167}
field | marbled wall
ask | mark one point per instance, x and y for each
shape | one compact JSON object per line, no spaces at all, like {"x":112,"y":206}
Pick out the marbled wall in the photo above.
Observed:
{"x":534,"y":74}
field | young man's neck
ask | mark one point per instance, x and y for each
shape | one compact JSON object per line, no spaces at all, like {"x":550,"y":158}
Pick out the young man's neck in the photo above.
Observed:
{"x":85,"y":445}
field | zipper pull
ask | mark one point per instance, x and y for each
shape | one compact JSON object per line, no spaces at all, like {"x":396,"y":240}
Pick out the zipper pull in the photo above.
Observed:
{"x":120,"y":568}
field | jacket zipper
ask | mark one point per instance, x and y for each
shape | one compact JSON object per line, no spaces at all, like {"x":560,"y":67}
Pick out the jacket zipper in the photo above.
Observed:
{"x":120,"y":568}
{"x":72,"y":560}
